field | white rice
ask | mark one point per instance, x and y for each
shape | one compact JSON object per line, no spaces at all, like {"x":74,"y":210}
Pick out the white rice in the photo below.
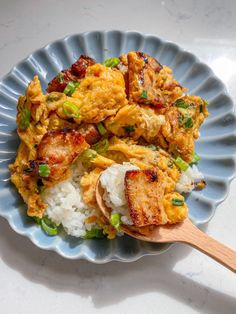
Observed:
{"x":187,"y":179}
{"x":112,"y":180}
{"x":66,"y":205}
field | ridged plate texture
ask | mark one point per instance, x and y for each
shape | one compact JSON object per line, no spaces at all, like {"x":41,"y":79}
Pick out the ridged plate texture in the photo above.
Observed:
{"x":216,"y":146}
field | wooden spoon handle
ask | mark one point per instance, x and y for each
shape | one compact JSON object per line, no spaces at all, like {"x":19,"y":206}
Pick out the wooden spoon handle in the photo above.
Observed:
{"x":209,"y":246}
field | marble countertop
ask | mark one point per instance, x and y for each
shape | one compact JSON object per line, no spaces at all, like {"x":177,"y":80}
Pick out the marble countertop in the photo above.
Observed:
{"x":181,"y":280}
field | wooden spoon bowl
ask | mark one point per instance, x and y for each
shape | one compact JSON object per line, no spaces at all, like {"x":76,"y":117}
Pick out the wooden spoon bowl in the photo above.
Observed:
{"x":184,"y":232}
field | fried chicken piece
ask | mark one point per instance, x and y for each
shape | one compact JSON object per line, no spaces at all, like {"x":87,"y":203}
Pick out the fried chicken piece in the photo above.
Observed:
{"x":80,"y":66}
{"x":144,"y":191}
{"x":58,"y":149}
{"x":59,"y":82}
{"x":90,"y":133}
{"x":150,"y":83}
{"x":73,"y":74}
{"x":142,"y":71}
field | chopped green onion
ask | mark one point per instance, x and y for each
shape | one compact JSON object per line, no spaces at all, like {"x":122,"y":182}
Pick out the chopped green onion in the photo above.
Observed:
{"x":195,"y":159}
{"x":115,"y":220}
{"x":188,"y":123}
{"x":48,"y":226}
{"x":170,"y":163}
{"x":37,"y":220}
{"x":71,"y":110}
{"x":54,"y":96}
{"x":180,"y":103}
{"x":44,"y":170}
{"x":111,"y":62}
{"x":177,"y":202}
{"x":101,"y":146}
{"x":152,"y":147}
{"x":25,"y":119}
{"x":88,"y":154}
{"x":129,"y":128}
{"x":181,"y":163}
{"x":94,"y":233}
{"x":144,"y":94}
{"x":70,"y":88}
{"x":101,"y":129}
{"x":201,"y":108}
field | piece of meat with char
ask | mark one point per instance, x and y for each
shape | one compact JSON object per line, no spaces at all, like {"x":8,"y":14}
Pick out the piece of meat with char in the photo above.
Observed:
{"x":142,"y":72}
{"x":58,"y":149}
{"x":73,"y":74}
{"x":144,"y":191}
{"x":90,"y":133}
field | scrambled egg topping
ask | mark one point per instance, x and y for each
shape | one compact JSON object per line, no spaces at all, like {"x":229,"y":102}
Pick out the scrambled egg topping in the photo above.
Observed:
{"x":147,"y":117}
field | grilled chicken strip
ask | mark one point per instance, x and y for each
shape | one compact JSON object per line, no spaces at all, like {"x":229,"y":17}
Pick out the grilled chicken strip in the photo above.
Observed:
{"x":58,"y":150}
{"x":150,"y":83}
{"x":144,"y":192}
{"x":73,"y":74}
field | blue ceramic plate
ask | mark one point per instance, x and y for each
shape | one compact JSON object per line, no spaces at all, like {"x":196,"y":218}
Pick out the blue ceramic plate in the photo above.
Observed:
{"x":217,"y":145}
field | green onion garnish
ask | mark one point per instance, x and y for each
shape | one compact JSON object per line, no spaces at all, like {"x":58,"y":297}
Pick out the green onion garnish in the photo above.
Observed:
{"x":101,"y":129}
{"x":195,"y":159}
{"x":54,"y":96}
{"x":94,"y":233}
{"x":181,"y":163}
{"x":70,"y":88}
{"x":101,"y":146}
{"x":152,"y":147}
{"x":177,"y":202}
{"x":44,"y":170}
{"x":170,"y":163}
{"x":115,"y":220}
{"x":25,"y":119}
{"x":88,"y":154}
{"x":188,"y":123}
{"x":71,"y":110}
{"x":180,"y":103}
{"x":37,"y":220}
{"x":48,"y":226}
{"x":144,"y":94}
{"x":111,"y":62}
{"x":201,"y":108}
{"x":129,"y":128}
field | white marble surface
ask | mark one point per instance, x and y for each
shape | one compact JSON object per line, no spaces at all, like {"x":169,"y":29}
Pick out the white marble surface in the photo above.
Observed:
{"x":181,"y":280}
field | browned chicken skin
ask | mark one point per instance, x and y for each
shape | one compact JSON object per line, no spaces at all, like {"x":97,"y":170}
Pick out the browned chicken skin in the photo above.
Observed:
{"x":142,"y":71}
{"x":59,"y":149}
{"x":149,"y":82}
{"x":90,"y":133}
{"x":144,"y":192}
{"x":73,"y":74}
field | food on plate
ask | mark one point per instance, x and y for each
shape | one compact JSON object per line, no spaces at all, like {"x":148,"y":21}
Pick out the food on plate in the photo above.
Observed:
{"x":126,"y":122}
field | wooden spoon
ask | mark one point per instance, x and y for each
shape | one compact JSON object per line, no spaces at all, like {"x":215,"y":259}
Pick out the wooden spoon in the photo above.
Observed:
{"x":184,"y":232}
